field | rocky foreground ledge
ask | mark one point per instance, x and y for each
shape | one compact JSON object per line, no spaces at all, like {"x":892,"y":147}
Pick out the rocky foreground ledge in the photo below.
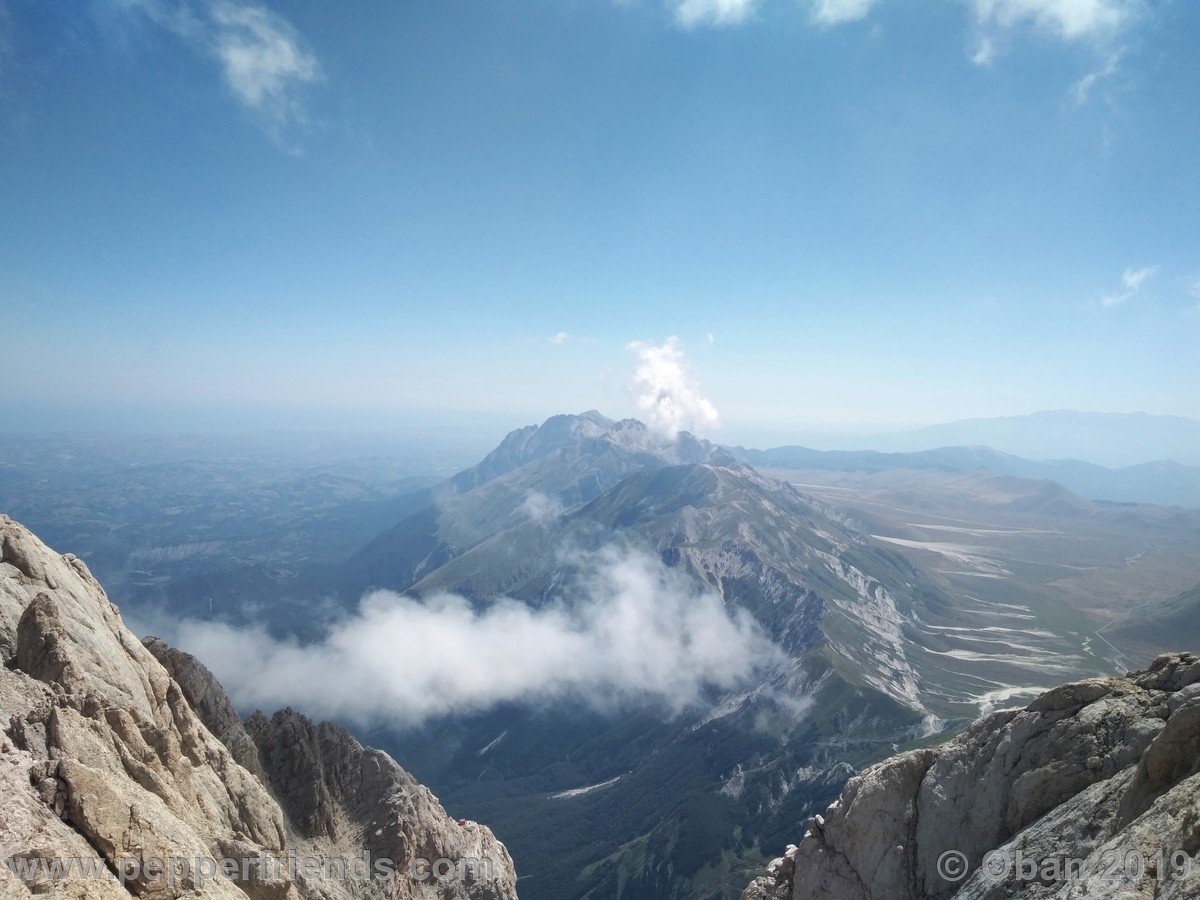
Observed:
{"x":116,"y":755}
{"x":1092,"y":790}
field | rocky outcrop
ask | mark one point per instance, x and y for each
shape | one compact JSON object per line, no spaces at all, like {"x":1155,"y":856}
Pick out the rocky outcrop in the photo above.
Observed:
{"x":1092,"y":790}
{"x":209,"y":701}
{"x":116,"y":755}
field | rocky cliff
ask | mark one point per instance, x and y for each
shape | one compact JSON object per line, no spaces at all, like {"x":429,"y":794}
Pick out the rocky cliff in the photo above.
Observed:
{"x":117,"y":757}
{"x":1092,"y":790}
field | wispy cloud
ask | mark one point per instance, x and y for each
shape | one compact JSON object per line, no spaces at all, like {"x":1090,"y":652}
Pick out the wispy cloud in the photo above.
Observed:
{"x":690,"y":13}
{"x":1131,"y":284}
{"x":559,"y":337}
{"x":1068,"y":19}
{"x":541,"y":507}
{"x":263,"y":59}
{"x":666,"y":394}
{"x":985,"y":51}
{"x":629,"y":630}
{"x":1082,"y":89}
{"x":836,"y":12}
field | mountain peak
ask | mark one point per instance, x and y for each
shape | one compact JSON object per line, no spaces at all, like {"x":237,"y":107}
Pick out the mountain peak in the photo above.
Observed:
{"x":586,"y":432}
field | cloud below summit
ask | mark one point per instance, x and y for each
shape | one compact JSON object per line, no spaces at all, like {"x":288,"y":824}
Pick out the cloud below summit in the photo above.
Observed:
{"x":628,"y":630}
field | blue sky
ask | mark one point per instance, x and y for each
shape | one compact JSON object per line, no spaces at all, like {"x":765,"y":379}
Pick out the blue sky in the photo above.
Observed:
{"x":853,"y":214}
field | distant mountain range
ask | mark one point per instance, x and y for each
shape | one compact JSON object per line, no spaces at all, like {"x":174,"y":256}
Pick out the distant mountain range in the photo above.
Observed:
{"x":1164,"y":483}
{"x":1108,"y":439}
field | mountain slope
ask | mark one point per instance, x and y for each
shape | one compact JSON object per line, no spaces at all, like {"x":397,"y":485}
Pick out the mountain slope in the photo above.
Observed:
{"x":535,"y":471}
{"x":817,"y":583}
{"x":1104,"y":772}
{"x":109,"y":756}
{"x":1173,"y":622}
{"x":876,"y":653}
{"x":659,"y":824}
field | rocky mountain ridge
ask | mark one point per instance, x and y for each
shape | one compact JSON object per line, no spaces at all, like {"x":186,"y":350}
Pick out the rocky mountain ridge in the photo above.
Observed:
{"x":115,"y":754}
{"x":1092,"y":790}
{"x":537,"y":471}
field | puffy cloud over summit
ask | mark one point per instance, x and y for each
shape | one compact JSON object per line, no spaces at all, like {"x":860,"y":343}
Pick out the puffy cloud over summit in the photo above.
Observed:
{"x":666,"y":394}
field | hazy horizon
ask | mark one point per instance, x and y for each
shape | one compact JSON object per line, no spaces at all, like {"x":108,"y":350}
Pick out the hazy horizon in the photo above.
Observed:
{"x":469,"y":435}
{"x":292,"y":211}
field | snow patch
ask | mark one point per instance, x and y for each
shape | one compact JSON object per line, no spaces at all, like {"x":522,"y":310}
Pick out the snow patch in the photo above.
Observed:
{"x":496,"y":741}
{"x":577,"y":792}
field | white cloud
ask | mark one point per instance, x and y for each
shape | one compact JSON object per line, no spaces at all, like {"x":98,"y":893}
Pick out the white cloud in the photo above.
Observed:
{"x":559,"y":337}
{"x":540,"y":507}
{"x":985,"y":51}
{"x":1082,"y":88}
{"x":1131,"y":283}
{"x":263,"y":59}
{"x":1068,"y":19}
{"x":633,"y":631}
{"x":1133,"y":279}
{"x":690,"y":13}
{"x":667,"y":395}
{"x":835,"y":12}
